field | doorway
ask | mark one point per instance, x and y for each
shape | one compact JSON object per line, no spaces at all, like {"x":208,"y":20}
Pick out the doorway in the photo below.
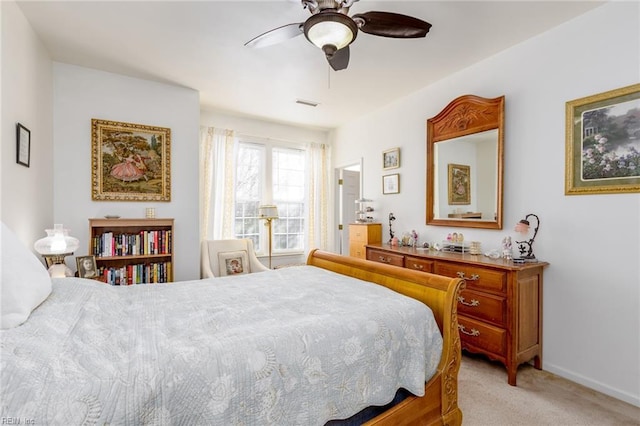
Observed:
{"x":348,"y":189}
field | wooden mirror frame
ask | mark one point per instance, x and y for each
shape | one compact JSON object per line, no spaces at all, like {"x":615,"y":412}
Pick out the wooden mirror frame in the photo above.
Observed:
{"x":465,"y":115}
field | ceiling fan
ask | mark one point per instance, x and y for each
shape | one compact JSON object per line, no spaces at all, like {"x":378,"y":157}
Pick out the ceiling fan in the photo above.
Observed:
{"x":331,"y":29}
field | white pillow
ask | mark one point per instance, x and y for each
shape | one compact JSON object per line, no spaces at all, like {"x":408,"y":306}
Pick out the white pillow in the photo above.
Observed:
{"x":233,"y":262}
{"x":24,"y":281}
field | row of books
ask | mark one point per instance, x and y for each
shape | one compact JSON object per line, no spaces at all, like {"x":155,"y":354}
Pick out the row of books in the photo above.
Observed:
{"x":142,"y":243}
{"x":149,"y":273}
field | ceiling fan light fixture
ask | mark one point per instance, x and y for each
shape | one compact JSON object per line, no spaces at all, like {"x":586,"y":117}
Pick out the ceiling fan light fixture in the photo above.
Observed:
{"x":330,"y":31}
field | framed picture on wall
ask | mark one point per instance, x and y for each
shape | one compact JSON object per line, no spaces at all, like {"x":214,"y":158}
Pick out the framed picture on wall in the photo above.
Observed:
{"x":391,"y":184}
{"x":603,"y":143}
{"x":459,"y":184}
{"x":130,"y":162}
{"x":23,"y":145}
{"x":391,"y":159}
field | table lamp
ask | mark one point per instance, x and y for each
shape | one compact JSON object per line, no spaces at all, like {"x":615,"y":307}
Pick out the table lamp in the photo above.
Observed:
{"x":526,"y":247}
{"x":268,"y":213}
{"x":54,"y":248}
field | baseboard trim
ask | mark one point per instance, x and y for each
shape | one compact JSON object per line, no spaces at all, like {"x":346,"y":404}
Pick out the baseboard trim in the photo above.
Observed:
{"x":593,"y":384}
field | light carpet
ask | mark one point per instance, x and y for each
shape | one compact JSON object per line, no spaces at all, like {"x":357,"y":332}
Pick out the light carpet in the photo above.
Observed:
{"x":541,"y":398}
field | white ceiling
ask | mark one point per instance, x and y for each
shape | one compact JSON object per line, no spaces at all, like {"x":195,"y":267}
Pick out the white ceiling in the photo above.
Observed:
{"x":200,"y":45}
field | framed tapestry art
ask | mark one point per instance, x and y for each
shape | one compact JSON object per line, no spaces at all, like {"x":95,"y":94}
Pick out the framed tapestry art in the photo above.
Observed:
{"x":459,"y":184}
{"x":130,"y":162}
{"x":603,"y":143}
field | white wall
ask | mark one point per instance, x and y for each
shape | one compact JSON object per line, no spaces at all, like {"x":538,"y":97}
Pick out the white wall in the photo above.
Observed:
{"x":591,"y":288}
{"x":81,"y":94}
{"x":27,"y":193}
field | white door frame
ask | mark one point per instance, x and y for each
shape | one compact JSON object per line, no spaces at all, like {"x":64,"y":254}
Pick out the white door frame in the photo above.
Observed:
{"x":341,"y":235}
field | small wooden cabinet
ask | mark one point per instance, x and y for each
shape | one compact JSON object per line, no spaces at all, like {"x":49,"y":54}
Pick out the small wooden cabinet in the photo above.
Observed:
{"x":132,"y":251}
{"x":499,"y":311}
{"x":361,"y":234}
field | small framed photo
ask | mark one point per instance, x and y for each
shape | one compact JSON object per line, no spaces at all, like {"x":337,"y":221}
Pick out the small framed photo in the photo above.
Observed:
{"x":391,"y":159}
{"x":391,"y":184}
{"x":603,"y":143}
{"x":87,"y":267}
{"x":23,"y":145}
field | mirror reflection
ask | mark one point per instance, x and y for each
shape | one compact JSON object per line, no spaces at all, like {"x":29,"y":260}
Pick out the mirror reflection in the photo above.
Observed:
{"x":467,"y":177}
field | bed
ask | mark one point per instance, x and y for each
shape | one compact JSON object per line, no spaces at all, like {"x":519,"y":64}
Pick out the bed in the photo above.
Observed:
{"x":236,"y":350}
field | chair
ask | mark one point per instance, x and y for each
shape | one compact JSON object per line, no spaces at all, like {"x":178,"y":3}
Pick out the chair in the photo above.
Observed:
{"x":228,"y":257}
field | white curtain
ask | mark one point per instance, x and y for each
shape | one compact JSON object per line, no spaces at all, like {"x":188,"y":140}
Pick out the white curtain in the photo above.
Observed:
{"x":217,"y":176}
{"x":318,"y":192}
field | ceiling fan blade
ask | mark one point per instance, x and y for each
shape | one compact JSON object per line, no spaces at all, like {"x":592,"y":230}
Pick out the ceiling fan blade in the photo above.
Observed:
{"x":340,"y":59}
{"x":395,"y":25}
{"x":276,"y":35}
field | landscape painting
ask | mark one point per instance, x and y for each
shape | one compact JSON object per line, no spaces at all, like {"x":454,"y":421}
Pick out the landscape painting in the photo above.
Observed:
{"x":603,"y":143}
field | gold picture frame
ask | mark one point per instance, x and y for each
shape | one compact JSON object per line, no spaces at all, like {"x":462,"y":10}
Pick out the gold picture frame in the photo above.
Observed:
{"x":130,"y":162}
{"x":391,"y":159}
{"x":603,"y":143}
{"x":391,"y":184}
{"x":459,"y":184}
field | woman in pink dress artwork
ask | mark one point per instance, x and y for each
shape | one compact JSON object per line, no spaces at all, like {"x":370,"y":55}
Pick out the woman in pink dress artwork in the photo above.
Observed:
{"x":131,"y":169}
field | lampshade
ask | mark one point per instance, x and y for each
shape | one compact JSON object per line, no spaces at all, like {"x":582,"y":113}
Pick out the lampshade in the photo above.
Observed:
{"x":330,"y":31}
{"x":57,"y":241}
{"x":268,"y":212}
{"x":522,"y":227}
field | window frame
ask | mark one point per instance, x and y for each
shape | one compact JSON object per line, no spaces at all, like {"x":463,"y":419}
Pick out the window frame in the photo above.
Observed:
{"x":268,"y":146}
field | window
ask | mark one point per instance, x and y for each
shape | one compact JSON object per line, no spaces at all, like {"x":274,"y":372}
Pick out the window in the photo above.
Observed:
{"x":268,"y":173}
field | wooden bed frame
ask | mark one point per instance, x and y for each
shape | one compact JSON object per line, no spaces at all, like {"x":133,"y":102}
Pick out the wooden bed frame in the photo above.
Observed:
{"x":439,"y":405}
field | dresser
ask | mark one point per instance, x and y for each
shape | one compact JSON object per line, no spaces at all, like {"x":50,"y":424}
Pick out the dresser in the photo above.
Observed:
{"x":499,"y":312}
{"x":361,"y":234}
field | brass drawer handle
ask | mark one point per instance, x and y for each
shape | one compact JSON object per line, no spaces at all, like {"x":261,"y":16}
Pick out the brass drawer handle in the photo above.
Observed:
{"x":473,"y":302}
{"x":474,"y":277}
{"x":416,"y":266}
{"x":384,"y":259}
{"x":473,"y":332}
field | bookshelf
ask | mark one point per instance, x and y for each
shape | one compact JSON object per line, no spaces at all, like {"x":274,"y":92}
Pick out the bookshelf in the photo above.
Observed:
{"x":132,"y":251}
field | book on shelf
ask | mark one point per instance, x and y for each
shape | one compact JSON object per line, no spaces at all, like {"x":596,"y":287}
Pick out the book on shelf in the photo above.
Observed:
{"x":141,"y":273}
{"x":151,"y":242}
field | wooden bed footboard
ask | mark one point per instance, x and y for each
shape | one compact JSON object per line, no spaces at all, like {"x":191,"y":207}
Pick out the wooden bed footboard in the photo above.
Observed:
{"x":439,"y":405}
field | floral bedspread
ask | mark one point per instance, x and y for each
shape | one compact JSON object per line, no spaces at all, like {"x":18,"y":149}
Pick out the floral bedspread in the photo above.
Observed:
{"x":298,"y":345}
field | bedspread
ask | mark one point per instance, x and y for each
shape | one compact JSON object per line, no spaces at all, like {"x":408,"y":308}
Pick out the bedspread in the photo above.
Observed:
{"x":298,"y":345}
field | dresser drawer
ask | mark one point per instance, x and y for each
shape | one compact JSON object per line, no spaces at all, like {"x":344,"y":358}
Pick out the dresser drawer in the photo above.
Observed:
{"x":418,"y":264}
{"x":357,"y":250}
{"x":365,"y":233}
{"x":483,"y":306}
{"x":476,"y":277}
{"x":385,"y":257}
{"x":358,"y":234}
{"x":475,"y":334}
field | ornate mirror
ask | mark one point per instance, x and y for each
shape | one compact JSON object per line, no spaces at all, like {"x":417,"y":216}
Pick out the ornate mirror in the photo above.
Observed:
{"x":464,"y":163}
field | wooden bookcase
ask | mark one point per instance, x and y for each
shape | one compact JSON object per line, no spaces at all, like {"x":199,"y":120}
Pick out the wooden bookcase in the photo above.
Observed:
{"x":132,"y":251}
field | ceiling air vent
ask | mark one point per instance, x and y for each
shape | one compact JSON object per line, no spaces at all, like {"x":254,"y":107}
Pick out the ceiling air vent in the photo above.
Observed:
{"x":307,"y":103}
